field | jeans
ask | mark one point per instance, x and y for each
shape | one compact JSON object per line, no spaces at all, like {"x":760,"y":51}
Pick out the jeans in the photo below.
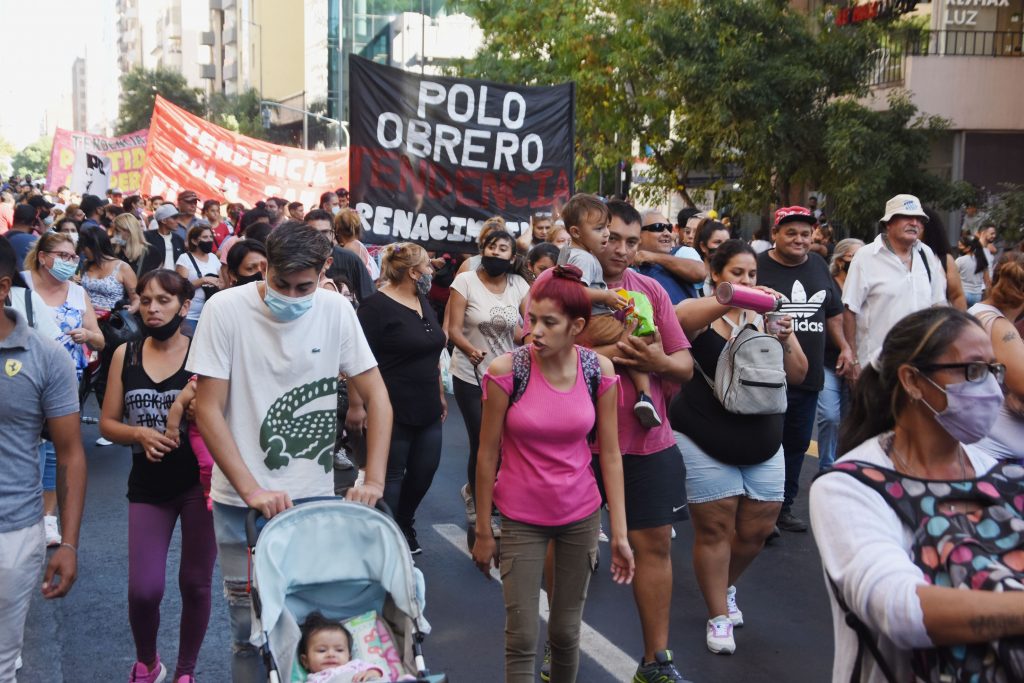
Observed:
{"x":796,"y":437}
{"x":412,"y":461}
{"x":48,"y":465}
{"x":522,"y":551}
{"x":972,"y":299}
{"x":150,"y":528}
{"x":22,"y":554}
{"x":233,"y":554}
{"x":469,"y":398}
{"x":833,"y":403}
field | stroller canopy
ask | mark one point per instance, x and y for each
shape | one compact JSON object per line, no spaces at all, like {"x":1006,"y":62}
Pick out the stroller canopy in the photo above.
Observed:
{"x":339,"y":557}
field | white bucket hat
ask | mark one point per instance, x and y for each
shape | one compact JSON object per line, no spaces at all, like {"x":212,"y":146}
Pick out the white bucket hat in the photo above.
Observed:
{"x":903,"y":205}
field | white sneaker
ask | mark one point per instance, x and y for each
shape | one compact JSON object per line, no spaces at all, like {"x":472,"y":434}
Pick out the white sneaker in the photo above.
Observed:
{"x":673,"y":532}
{"x":720,"y":640}
{"x":467,"y":500}
{"x":52,"y":532}
{"x":17,"y":663}
{"x":735,"y":615}
{"x":103,"y":442}
{"x":601,"y":535}
{"x":342,"y":461}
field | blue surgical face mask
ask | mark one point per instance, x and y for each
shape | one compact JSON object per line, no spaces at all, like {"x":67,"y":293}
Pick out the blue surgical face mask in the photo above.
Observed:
{"x":287,"y":308}
{"x":62,"y":270}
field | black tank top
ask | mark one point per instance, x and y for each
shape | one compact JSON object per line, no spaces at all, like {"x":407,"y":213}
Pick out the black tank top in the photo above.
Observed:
{"x":738,"y":440}
{"x":146,"y":404}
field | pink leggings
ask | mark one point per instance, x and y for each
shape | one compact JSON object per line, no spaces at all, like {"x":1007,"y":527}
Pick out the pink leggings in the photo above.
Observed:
{"x":150,"y":528}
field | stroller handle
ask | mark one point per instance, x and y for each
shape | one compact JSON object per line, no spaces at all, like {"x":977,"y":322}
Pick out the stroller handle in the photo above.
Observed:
{"x":254,"y":520}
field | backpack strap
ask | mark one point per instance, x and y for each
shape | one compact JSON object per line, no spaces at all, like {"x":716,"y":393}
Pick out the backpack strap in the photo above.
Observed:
{"x":927,"y":268}
{"x":591,"y":371}
{"x":29,"y":312}
{"x":521,"y":362}
{"x":864,"y":638}
{"x":591,"y":365}
{"x":905,"y":507}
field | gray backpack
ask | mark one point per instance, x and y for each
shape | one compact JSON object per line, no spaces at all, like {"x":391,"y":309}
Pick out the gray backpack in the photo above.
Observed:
{"x":750,"y":379}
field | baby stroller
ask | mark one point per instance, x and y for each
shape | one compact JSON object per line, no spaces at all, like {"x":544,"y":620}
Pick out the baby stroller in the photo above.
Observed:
{"x":343,"y":559}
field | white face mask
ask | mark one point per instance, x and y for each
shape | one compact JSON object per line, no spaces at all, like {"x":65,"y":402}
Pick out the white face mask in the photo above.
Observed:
{"x":335,"y":210}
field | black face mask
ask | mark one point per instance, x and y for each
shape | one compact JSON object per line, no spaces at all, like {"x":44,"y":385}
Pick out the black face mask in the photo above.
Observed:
{"x":206,"y":246}
{"x":495,"y":265}
{"x":844,"y":266}
{"x":165,"y":331}
{"x":255,"y":277}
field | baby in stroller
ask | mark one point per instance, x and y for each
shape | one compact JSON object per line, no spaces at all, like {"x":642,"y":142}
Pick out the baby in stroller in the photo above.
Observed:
{"x":325,"y":651}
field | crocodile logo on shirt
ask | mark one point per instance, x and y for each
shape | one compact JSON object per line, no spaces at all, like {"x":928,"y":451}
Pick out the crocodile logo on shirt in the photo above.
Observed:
{"x":286,"y":435}
{"x":800,"y":307}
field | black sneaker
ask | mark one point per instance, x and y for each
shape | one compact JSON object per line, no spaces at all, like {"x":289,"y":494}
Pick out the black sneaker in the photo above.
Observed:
{"x":661,"y":670}
{"x":410,"y":537}
{"x":790,"y":522}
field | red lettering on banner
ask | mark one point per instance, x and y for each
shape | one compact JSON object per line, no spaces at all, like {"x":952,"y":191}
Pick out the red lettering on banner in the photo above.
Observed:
{"x":463,"y":184}
{"x":440,"y":181}
{"x":409,"y":180}
{"x":492,"y":185}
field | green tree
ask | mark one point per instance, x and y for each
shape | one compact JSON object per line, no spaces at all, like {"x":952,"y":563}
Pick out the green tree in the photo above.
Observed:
{"x":139,"y":88}
{"x":873,"y":155}
{"x":34,"y":159}
{"x":239,"y":113}
{"x":1008,"y":212}
{"x":716,"y":88}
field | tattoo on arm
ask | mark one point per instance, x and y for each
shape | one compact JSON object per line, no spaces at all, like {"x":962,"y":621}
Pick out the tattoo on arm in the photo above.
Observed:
{"x":991,"y":627}
{"x":1009,"y":337}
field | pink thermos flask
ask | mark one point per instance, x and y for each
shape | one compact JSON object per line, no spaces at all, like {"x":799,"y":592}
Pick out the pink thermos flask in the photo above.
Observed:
{"x":746,"y":297}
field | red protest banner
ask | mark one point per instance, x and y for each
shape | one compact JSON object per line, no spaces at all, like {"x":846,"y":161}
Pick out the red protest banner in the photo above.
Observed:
{"x":186,"y":152}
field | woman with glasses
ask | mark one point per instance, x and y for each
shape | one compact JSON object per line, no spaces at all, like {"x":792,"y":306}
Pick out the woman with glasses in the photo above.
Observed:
{"x":406,"y":339}
{"x":1002,"y":306}
{"x":49,"y":267}
{"x":918,"y":409}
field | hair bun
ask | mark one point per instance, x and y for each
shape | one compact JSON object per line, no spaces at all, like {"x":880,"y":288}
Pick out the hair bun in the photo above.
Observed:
{"x":568,"y":272}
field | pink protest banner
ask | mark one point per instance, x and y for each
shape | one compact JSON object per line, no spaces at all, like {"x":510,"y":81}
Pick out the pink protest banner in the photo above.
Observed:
{"x":126,"y":154}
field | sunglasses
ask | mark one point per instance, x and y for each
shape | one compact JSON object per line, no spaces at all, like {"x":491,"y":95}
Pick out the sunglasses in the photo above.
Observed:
{"x":975,"y":371}
{"x":657,"y":227}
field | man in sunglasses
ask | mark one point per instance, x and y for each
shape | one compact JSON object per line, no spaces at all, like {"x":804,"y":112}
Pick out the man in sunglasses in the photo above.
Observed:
{"x":677,"y":269}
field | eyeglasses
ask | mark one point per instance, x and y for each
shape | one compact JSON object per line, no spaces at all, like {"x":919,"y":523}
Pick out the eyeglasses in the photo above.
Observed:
{"x":657,"y":227}
{"x":64,"y":256}
{"x":975,"y":371}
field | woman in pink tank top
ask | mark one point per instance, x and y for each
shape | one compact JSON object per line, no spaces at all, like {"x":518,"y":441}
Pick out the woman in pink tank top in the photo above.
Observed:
{"x":546,"y":491}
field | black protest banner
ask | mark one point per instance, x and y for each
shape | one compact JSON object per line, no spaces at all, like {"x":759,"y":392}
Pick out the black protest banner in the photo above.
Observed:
{"x":431,"y":158}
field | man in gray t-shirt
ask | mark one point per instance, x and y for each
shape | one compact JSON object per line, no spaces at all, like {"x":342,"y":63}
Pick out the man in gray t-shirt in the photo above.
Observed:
{"x":37,"y":386}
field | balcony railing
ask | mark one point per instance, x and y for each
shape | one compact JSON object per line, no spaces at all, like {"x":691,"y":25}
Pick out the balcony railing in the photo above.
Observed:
{"x":888,"y":62}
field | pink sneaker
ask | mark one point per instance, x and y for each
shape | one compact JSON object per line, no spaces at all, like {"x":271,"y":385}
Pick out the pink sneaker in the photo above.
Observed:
{"x":187,"y":678}
{"x":142,"y":674}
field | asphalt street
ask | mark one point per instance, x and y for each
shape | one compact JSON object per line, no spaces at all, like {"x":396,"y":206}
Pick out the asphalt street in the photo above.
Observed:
{"x":787,"y":636}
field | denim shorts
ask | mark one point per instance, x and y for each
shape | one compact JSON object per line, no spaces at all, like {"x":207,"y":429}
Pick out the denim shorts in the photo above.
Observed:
{"x":708,"y":480}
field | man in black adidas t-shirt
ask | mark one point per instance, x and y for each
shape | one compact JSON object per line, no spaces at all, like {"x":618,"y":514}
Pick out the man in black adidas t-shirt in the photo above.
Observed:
{"x":814,"y":301}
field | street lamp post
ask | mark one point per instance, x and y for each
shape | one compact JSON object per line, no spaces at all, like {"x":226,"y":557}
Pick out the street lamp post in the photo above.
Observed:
{"x":265,"y":116}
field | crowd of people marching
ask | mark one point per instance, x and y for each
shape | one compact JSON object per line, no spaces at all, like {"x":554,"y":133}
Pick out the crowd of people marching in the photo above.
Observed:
{"x":250,"y":357}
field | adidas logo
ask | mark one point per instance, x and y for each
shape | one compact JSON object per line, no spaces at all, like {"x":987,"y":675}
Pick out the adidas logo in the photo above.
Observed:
{"x":801,"y":308}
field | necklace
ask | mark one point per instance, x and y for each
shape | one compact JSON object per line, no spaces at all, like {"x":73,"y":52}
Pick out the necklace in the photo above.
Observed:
{"x":903,"y":464}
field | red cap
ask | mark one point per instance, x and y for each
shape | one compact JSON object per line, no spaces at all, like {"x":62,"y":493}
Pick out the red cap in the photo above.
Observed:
{"x":787,"y":214}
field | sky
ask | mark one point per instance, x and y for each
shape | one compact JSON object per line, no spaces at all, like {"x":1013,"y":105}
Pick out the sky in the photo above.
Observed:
{"x":41,"y":40}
